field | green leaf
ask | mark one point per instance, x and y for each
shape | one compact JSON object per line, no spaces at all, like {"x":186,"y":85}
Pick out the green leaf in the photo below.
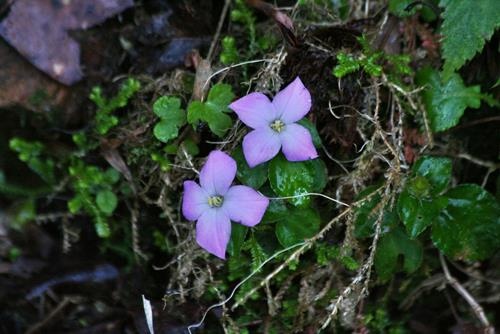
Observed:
{"x":446,"y":100}
{"x":21,"y":213}
{"x":102,"y":227}
{"x":111,"y":176}
{"x":238,"y":234}
{"x":297,"y":225}
{"x":418,"y":213}
{"x":167,"y":107}
{"x":106,"y":201}
{"x":171,"y":115}
{"x":219,"y":97}
{"x":312,"y":129}
{"x":346,"y":64}
{"x":466,"y":26}
{"x":399,"y":8}
{"x":392,"y":245}
{"x":229,"y":53}
{"x":252,"y":177}
{"x":217,"y":121}
{"x":75,"y":204}
{"x":296,"y":178}
{"x":437,"y":170}
{"x":31,"y":152}
{"x":367,"y":214}
{"x":276,"y":210}
{"x":165,"y":130}
{"x":257,"y":252}
{"x":469,"y":226}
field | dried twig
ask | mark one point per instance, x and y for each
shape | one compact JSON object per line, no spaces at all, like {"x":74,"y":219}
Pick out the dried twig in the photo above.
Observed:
{"x":476,"y":308}
{"x":218,"y":31}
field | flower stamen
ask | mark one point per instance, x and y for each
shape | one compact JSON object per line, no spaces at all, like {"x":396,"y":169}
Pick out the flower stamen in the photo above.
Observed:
{"x":277,"y":125}
{"x":215,"y":201}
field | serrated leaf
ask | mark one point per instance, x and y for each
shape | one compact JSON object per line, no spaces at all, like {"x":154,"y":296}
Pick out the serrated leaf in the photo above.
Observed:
{"x":106,"y":201}
{"x":469,"y":226}
{"x":446,"y":101}
{"x":466,"y":26}
{"x":296,"y":178}
{"x":390,"y":247}
{"x":218,"y":122}
{"x":166,"y":106}
{"x":297,"y":225}
{"x":165,"y":130}
{"x":257,"y":252}
{"x":172,"y":117}
{"x":213,"y":110}
{"x":252,"y":177}
{"x":220,"y":96}
{"x":345,"y":64}
{"x":437,"y":170}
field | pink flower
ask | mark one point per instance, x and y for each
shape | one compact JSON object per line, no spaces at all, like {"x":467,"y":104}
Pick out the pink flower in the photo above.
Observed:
{"x":275,"y":126}
{"x":215,"y":203}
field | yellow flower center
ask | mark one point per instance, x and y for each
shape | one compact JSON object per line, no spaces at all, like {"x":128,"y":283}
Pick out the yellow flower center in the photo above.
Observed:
{"x":215,"y":201}
{"x":277,"y":125}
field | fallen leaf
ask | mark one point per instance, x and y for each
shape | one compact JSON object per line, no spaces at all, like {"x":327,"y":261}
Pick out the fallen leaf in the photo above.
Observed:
{"x":45,"y":41}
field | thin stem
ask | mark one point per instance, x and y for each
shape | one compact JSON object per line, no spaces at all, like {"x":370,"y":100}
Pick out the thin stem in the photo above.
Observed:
{"x":476,"y":308}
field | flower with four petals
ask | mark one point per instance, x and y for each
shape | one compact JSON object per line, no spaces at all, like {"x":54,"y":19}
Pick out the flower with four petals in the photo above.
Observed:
{"x":275,"y":126}
{"x":215,"y":203}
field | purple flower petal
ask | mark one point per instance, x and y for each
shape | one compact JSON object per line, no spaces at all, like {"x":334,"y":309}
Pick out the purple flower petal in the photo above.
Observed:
{"x":218,"y":173}
{"x":293,"y":102}
{"x":244,"y":205}
{"x":194,"y":200}
{"x":255,"y":110}
{"x":297,"y":143}
{"x":213,"y":230}
{"x":260,"y":145}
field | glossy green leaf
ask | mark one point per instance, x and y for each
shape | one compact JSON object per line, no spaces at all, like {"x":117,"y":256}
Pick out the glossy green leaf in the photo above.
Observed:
{"x":393,"y":245}
{"x":437,"y":170}
{"x":297,"y":225}
{"x":106,"y":201}
{"x":276,"y":211}
{"x":418,"y":213}
{"x":296,"y":178}
{"x":252,"y":177}
{"x":469,"y":226}
{"x":238,"y":234}
{"x":446,"y":100}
